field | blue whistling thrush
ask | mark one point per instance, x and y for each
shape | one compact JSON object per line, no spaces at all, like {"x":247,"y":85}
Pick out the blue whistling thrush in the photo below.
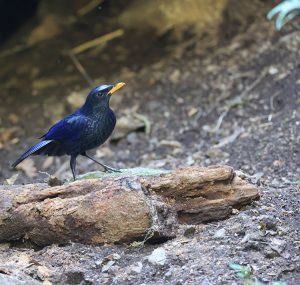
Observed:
{"x":86,"y":128}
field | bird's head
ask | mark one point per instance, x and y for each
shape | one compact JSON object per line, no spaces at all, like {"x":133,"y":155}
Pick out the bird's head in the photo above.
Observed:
{"x":99,"y":96}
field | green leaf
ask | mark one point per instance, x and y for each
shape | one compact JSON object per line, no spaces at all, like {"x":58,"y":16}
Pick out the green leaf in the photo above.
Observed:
{"x":285,"y":11}
{"x":240,"y":275}
{"x":236,"y":266}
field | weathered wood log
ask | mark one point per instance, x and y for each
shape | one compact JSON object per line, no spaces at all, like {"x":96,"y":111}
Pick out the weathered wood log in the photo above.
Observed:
{"x":120,"y":207}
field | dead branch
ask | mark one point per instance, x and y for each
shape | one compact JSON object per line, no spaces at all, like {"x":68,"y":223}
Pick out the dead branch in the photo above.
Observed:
{"x":81,"y":69}
{"x":97,"y":41}
{"x":89,"y":7}
{"x":120,"y":207}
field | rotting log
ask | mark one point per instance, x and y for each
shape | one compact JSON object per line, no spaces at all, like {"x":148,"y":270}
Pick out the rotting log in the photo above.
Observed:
{"x":120,"y":207}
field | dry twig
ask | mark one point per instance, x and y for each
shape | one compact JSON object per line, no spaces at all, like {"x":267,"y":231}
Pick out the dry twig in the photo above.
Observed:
{"x":87,"y":45}
{"x":97,"y":41}
{"x":89,"y":7}
{"x":81,"y":69}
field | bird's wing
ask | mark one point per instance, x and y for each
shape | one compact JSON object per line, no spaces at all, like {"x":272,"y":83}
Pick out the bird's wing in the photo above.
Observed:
{"x":36,"y":149}
{"x":69,"y":128}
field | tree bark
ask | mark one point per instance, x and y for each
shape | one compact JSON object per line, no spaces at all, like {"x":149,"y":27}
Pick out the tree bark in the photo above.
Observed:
{"x":121,"y":207}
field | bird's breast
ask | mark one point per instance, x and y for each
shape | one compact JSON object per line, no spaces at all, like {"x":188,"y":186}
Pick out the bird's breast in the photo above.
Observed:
{"x":99,"y":130}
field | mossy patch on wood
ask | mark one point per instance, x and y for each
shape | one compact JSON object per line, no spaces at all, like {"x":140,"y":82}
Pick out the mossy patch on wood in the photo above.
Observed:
{"x":128,"y":172}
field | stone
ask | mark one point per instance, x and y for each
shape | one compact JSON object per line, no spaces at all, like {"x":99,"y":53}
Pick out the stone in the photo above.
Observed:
{"x":219,"y":234}
{"x":158,"y":256}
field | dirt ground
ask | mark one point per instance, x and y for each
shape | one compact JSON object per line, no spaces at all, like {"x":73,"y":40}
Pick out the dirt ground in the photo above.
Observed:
{"x":237,"y":104}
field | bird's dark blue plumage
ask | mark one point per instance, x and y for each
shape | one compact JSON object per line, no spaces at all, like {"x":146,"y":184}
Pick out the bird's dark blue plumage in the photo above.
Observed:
{"x":86,"y":128}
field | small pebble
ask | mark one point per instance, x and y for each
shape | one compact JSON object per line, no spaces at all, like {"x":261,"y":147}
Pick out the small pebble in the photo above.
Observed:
{"x":219,"y":234}
{"x":158,"y":256}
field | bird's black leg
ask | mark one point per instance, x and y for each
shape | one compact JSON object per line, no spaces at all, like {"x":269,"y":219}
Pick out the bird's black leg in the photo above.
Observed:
{"x":106,"y":168}
{"x":73,"y":165}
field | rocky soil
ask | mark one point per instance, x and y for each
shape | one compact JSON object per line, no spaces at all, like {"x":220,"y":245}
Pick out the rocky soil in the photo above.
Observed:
{"x":235,"y":104}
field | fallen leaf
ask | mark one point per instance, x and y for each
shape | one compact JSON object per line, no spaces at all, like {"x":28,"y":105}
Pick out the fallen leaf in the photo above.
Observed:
{"x":127,"y":124}
{"x":28,"y":167}
{"x":48,"y":162}
{"x":7,"y":137}
{"x":192,"y":111}
{"x":13,"y":118}
{"x":175,"y":76}
{"x":6,"y":134}
{"x":24,"y":260}
{"x":77,"y":98}
{"x":107,"y":266}
{"x":43,"y":83}
{"x":113,"y":256}
{"x":104,"y":152}
{"x":278,"y":163}
{"x":43,"y":272}
{"x":49,"y":28}
{"x":12,"y":179}
{"x":5,"y":271}
{"x":145,"y":120}
{"x":171,"y":143}
{"x":230,"y":139}
{"x":14,"y":141}
{"x":4,"y":246}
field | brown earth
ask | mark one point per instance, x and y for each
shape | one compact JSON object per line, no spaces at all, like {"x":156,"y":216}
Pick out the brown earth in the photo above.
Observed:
{"x":235,"y":103}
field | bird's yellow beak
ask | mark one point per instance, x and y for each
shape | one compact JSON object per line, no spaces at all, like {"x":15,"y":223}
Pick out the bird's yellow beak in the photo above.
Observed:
{"x":116,"y":87}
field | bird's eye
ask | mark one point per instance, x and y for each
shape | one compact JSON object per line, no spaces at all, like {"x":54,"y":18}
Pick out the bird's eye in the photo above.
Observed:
{"x":100,"y":94}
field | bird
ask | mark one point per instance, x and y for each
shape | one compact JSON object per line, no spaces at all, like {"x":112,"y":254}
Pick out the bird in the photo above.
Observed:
{"x":86,"y":128}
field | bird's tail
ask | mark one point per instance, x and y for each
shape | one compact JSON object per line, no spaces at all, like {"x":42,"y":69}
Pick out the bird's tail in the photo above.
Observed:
{"x":30,"y":151}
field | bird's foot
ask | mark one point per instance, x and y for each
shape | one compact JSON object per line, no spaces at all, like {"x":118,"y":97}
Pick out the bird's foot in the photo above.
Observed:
{"x":110,"y":169}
